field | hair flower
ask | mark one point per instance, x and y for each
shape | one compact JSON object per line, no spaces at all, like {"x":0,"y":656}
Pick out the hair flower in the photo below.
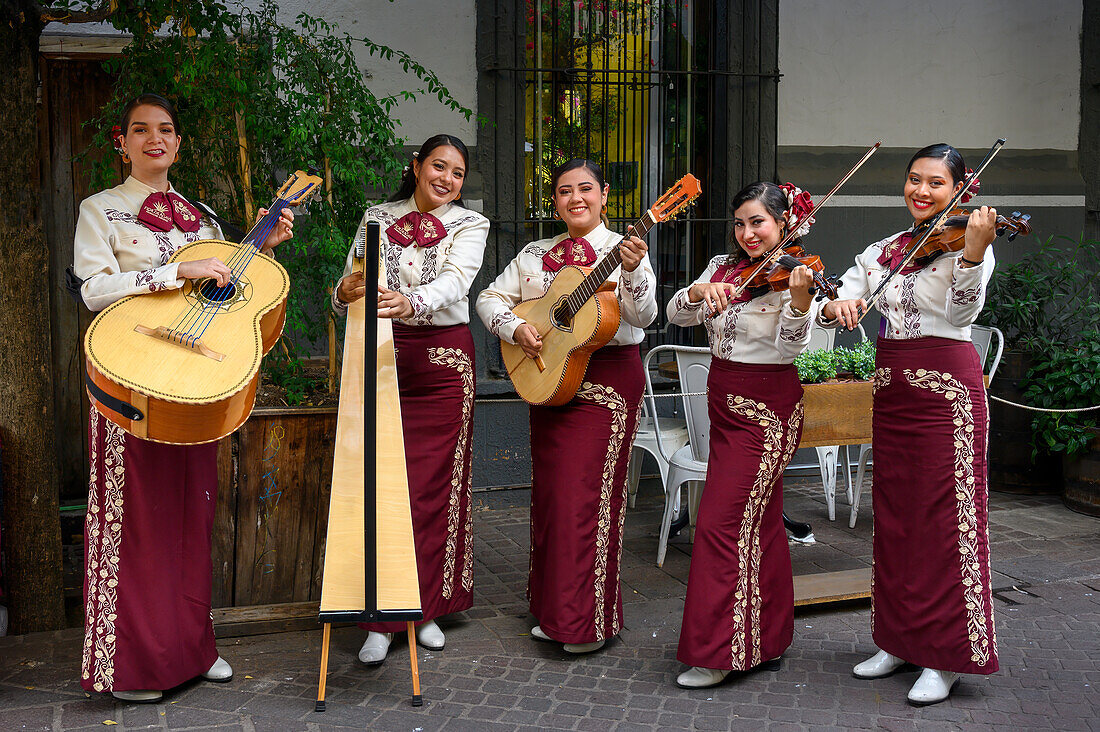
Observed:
{"x":800,"y":206}
{"x":972,"y":189}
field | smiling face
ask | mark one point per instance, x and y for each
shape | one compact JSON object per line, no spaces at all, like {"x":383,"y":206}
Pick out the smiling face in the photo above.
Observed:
{"x":151,"y":141}
{"x":757,"y":231}
{"x":928,"y":188}
{"x":439,"y":177}
{"x":579,"y":200}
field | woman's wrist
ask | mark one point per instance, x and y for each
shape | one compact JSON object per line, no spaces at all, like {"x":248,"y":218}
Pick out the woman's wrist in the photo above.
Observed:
{"x":692,"y":296}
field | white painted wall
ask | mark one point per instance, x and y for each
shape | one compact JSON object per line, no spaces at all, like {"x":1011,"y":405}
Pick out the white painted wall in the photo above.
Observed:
{"x":960,"y":71}
{"x":439,"y":34}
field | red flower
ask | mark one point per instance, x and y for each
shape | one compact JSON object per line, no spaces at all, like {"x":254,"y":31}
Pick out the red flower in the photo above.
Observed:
{"x":973,"y":189}
{"x":530,"y":45}
{"x":116,"y":137}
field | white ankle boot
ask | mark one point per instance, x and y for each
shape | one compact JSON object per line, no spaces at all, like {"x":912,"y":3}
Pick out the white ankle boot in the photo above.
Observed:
{"x":698,"y":677}
{"x":139,"y":696}
{"x":877,"y":666}
{"x":430,"y":636}
{"x":932,"y":687}
{"x":538,"y":633}
{"x":375,"y":648}
{"x":221,"y":671}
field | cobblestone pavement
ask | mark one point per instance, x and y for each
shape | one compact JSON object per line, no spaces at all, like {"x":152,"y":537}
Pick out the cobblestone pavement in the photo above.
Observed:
{"x":493,"y":676}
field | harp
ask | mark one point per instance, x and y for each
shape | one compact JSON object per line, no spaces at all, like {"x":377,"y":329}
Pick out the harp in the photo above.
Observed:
{"x":370,"y":558}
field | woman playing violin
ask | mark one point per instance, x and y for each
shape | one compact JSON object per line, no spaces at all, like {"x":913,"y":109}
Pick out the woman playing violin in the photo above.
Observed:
{"x":931,"y":597}
{"x":739,"y":612}
{"x":147,"y":624}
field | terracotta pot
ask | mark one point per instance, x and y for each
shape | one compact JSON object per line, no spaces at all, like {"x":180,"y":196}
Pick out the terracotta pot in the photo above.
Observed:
{"x":1081,"y":489}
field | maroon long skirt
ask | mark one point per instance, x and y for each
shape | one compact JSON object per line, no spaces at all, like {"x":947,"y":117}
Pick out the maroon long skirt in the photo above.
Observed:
{"x":579,"y":455}
{"x":147,"y":563}
{"x":435,"y":375}
{"x":739,"y":610}
{"x":931,"y":600}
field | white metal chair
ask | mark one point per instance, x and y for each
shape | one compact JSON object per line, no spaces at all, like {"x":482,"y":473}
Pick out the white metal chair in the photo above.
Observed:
{"x":687,"y":463}
{"x":674,"y":435}
{"x":982,"y":337}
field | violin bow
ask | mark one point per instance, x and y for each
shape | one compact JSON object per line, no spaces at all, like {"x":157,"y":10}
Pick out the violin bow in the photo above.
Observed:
{"x":776,"y":253}
{"x":940,"y":217}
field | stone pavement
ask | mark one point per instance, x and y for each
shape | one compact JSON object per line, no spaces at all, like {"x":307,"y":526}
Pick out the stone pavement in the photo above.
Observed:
{"x":493,"y":676}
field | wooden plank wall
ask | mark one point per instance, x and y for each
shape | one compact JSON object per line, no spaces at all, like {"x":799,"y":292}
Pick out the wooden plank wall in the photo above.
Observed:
{"x":72,"y":91}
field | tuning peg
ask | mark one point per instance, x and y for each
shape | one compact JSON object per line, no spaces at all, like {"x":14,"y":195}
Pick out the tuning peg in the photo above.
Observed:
{"x":1012,"y":236}
{"x":1016,"y":214}
{"x":1025,"y":217}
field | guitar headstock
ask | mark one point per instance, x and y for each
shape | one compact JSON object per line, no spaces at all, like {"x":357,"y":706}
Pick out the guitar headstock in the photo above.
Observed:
{"x":299,"y":187}
{"x":676,"y":198}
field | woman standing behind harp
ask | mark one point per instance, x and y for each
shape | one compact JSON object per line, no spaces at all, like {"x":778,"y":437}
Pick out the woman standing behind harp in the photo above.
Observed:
{"x":580,"y":450}
{"x":431,"y":251}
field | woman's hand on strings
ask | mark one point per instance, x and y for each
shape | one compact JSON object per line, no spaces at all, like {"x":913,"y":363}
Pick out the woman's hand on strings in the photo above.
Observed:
{"x":351,"y":288}
{"x":632,"y":250}
{"x":848,"y":312}
{"x":284,"y":229}
{"x":528,"y":339}
{"x":716,"y":295}
{"x":213,"y":268}
{"x":981,"y":230}
{"x":392,"y":304}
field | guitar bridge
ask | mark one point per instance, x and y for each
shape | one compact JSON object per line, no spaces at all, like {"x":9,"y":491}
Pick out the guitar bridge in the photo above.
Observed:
{"x":184,"y":340}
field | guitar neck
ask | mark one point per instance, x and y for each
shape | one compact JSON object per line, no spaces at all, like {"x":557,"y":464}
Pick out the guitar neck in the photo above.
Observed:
{"x":258,"y":233}
{"x":603,"y":270}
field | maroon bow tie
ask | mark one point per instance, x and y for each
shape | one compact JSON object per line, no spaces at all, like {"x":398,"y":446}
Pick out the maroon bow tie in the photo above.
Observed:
{"x":895,"y":252}
{"x":569,"y":252}
{"x":161,"y":211}
{"x":423,"y":230}
{"x":731,"y":274}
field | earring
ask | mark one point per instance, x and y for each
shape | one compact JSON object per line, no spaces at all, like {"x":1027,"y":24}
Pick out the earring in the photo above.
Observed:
{"x":556,"y":215}
{"x":125,"y":157}
{"x":177,"y":158}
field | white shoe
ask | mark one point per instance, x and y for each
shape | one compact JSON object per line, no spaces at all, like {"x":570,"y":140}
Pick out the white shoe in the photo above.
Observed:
{"x":139,"y":696}
{"x":538,"y":633}
{"x":932,"y":687}
{"x":375,"y":648}
{"x":221,"y":671}
{"x":430,"y":636}
{"x":698,"y":677}
{"x":877,"y":666}
{"x":583,"y":647}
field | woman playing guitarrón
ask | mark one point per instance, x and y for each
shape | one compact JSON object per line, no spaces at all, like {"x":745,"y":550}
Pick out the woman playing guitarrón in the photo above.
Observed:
{"x":150,"y":505}
{"x":739,"y":612}
{"x":931,"y":601}
{"x":432,"y":248}
{"x":579,"y":450}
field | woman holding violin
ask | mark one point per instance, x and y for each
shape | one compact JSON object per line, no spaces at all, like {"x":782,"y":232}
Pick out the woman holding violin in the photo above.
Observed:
{"x":931,"y":597}
{"x":739,"y":612}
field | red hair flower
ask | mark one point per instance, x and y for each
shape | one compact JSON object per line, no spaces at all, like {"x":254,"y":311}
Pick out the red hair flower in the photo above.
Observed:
{"x":800,"y":206}
{"x":116,"y":138}
{"x":972,"y":189}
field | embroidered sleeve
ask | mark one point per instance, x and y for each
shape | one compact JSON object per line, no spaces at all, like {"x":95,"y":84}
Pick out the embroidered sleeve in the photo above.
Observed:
{"x":680,"y":309}
{"x":95,"y":262}
{"x":794,"y":330}
{"x":856,"y":282}
{"x":637,"y":293}
{"x":421,"y":314}
{"x":966,"y":295}
{"x":494,"y":304}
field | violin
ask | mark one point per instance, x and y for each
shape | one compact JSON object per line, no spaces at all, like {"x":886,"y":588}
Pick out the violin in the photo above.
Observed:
{"x":951,"y":234}
{"x":775,"y":276}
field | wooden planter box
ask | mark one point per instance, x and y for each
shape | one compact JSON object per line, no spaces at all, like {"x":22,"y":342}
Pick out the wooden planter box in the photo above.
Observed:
{"x":275,"y":473}
{"x":837,"y":414}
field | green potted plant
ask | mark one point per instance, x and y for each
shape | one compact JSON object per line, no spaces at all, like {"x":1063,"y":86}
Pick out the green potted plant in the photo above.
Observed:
{"x":1042,"y":304}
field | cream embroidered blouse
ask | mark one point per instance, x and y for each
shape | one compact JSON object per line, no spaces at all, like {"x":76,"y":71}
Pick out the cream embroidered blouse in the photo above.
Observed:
{"x":762,"y":330}
{"x":116,"y":255}
{"x":942,"y":299}
{"x":436,"y":279}
{"x":525,"y":279}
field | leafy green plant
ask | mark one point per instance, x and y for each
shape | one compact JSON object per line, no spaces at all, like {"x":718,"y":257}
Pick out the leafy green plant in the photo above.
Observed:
{"x":259,"y":99}
{"x":815,"y":366}
{"x":1048,"y":306}
{"x":859,"y":360}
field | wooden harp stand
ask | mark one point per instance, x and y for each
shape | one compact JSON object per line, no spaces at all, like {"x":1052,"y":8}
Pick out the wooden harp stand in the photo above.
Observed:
{"x":370,"y":557}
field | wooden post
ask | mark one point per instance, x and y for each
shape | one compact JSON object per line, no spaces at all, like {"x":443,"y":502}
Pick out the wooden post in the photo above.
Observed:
{"x":31,"y":526}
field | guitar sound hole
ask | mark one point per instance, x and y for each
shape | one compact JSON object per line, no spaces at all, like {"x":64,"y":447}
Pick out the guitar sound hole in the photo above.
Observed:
{"x":213,"y":293}
{"x":561,"y":316}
